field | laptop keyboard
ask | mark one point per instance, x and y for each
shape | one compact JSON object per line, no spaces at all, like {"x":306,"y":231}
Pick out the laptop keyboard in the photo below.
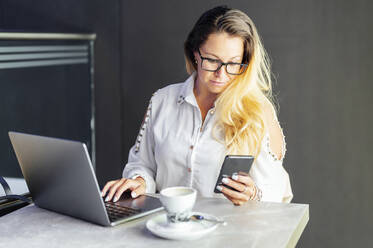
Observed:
{"x":116,"y":211}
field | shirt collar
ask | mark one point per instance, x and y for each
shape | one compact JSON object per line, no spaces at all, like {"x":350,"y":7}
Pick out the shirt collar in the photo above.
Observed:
{"x":186,"y":93}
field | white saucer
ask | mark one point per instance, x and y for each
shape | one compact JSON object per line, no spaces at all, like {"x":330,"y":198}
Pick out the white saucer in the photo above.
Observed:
{"x":185,"y":231}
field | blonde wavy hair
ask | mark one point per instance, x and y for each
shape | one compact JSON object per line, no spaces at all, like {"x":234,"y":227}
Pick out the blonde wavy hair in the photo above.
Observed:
{"x":240,"y":107}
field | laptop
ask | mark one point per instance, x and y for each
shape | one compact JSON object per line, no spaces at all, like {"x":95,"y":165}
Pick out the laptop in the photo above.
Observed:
{"x":60,"y":177}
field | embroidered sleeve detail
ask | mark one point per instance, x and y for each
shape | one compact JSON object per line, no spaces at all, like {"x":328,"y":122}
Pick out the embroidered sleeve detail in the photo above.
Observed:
{"x":283,"y":145}
{"x":143,"y":125}
{"x":283,"y":152}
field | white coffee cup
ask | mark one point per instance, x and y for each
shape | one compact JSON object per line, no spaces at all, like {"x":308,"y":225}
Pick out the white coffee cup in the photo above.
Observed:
{"x":178,"y":203}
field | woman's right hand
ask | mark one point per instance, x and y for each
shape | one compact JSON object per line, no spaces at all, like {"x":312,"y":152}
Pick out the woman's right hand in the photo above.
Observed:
{"x":117,"y":187}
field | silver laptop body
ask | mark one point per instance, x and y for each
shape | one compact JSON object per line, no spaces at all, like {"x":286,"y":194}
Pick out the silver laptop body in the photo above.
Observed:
{"x":60,"y":177}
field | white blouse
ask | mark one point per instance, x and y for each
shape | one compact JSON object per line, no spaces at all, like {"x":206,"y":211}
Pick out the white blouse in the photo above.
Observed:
{"x":174,"y":148}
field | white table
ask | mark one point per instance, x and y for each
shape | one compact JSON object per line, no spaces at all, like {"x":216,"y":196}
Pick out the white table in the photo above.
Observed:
{"x":256,"y":224}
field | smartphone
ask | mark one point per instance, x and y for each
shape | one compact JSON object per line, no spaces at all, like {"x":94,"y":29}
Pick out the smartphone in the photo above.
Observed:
{"x":233,"y":164}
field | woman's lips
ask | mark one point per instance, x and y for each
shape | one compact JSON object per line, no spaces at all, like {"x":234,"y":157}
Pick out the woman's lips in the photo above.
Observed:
{"x":217,"y":83}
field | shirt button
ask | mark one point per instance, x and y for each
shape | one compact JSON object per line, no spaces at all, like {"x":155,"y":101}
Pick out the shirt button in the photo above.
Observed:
{"x":189,"y":170}
{"x":191,"y":147}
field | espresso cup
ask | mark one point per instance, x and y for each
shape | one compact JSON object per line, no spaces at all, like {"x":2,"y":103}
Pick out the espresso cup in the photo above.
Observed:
{"x":178,"y":203}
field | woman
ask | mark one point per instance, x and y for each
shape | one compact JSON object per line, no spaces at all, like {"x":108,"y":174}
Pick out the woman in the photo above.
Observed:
{"x":224,"y":107}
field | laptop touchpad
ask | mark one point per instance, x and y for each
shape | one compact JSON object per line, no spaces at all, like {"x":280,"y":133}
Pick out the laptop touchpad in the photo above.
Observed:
{"x":142,"y":203}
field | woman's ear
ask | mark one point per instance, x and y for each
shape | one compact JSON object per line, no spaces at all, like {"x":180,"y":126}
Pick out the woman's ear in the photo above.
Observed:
{"x":196,"y":56}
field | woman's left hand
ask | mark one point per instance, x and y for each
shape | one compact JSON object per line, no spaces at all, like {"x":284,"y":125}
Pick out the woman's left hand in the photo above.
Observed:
{"x":244,"y":186}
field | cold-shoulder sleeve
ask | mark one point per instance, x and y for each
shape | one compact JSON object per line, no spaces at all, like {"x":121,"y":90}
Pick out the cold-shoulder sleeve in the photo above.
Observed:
{"x":268,"y":170}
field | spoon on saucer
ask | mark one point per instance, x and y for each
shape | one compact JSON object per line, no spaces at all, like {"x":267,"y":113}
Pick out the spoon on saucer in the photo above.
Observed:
{"x":197,"y":217}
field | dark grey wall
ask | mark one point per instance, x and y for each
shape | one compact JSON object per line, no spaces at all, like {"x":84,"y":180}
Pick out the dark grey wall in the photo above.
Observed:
{"x":321,"y":54}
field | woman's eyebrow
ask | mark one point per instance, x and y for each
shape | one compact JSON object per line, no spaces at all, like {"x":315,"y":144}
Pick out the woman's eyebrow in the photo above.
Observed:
{"x":238,"y":56}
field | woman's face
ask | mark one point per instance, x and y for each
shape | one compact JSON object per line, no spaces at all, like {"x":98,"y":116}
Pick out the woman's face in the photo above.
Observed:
{"x":218,"y":46}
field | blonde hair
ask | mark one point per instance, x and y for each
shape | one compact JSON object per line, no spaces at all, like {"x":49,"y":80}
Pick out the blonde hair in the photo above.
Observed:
{"x":240,"y":107}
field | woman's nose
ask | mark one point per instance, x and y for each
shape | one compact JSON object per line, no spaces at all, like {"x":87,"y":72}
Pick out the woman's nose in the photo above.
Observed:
{"x":221,"y":73}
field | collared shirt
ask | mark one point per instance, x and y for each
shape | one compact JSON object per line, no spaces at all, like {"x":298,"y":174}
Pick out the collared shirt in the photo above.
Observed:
{"x":176,"y":148}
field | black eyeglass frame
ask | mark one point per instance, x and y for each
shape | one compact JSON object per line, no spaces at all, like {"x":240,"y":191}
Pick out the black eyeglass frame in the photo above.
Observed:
{"x":222,"y":64}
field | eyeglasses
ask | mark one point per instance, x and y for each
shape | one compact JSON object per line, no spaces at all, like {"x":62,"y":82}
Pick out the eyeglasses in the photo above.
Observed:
{"x":214,"y":65}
